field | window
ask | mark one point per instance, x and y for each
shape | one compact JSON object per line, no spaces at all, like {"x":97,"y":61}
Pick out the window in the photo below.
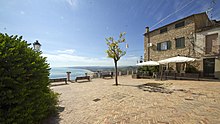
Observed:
{"x":180,"y":42}
{"x":163,"y":30}
{"x":209,"y":43}
{"x":180,"y":24}
{"x":164,"y":46}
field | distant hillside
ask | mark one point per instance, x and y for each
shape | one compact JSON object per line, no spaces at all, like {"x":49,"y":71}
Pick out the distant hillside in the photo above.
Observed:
{"x":107,"y":68}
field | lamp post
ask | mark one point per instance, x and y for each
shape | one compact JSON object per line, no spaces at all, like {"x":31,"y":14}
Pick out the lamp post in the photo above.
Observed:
{"x":141,"y":59}
{"x":36,"y":46}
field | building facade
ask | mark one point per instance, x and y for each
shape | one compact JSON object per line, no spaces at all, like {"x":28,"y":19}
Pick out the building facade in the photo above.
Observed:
{"x":185,"y":37}
{"x":208,"y":45}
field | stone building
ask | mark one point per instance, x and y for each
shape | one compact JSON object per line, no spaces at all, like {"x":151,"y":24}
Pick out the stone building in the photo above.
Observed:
{"x":191,"y":37}
{"x":208,"y":45}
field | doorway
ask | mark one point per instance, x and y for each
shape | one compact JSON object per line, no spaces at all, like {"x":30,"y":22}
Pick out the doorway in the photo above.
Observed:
{"x":209,"y":67}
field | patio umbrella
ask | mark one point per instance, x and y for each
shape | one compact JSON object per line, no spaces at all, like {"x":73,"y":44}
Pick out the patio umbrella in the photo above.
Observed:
{"x":148,"y":63}
{"x":177,"y":59}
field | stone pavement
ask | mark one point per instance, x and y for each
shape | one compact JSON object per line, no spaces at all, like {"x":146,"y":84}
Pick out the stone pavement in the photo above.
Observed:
{"x":139,"y":101}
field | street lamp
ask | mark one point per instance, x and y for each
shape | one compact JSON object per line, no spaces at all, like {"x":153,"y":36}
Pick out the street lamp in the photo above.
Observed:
{"x":36,"y":46}
{"x":141,"y":59}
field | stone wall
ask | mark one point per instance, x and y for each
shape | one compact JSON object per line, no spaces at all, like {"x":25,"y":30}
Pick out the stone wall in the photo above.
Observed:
{"x":201,"y":39}
{"x":217,"y":68}
{"x":155,"y":37}
{"x":200,"y":47}
{"x":201,"y":20}
{"x":194,"y":40}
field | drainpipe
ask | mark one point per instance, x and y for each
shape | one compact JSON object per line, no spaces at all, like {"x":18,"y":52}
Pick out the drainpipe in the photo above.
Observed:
{"x":148,"y":41}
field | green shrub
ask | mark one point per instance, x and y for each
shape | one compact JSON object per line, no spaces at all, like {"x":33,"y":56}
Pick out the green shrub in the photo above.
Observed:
{"x":24,"y":78}
{"x":191,"y":69}
{"x":149,"y":69}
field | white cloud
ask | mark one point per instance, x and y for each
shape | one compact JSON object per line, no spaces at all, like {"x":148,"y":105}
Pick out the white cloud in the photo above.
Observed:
{"x":68,"y":51}
{"x":69,"y":60}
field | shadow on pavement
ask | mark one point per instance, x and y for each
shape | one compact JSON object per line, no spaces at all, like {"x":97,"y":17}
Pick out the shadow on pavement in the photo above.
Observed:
{"x":82,"y":81}
{"x":58,"y":84}
{"x":55,"y":118}
{"x":152,"y":87}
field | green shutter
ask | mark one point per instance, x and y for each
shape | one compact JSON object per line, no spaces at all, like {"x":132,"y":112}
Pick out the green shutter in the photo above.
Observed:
{"x":168,"y":45}
{"x":158,"y":46}
{"x":183,"y":42}
{"x":177,"y":43}
{"x":180,"y":42}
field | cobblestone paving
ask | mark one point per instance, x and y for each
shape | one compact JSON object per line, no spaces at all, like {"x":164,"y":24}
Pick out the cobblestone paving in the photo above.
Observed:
{"x":139,"y":101}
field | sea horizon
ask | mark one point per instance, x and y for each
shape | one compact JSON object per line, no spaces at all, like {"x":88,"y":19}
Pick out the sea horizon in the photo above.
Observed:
{"x":60,"y":72}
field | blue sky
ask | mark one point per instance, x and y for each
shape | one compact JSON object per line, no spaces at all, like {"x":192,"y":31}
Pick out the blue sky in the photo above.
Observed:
{"x":73,"y":32}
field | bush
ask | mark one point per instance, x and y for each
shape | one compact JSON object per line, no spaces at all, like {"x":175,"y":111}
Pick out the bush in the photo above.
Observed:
{"x":149,"y":69}
{"x":191,"y":69}
{"x":24,"y":78}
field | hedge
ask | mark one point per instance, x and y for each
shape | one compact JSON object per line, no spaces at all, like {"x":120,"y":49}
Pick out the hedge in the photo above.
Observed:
{"x":24,"y":78}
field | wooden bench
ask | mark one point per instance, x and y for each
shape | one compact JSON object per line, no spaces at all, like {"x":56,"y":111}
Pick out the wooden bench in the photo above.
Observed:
{"x":107,"y":74}
{"x":59,"y":80}
{"x":83,"y":78}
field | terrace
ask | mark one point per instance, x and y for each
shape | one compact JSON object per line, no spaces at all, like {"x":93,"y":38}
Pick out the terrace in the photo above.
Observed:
{"x":138,"y":101}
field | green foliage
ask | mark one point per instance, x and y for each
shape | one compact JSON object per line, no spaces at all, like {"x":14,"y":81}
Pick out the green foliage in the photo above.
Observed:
{"x":191,"y":69}
{"x":114,"y":51}
{"x":24,"y":93}
{"x":149,"y":69}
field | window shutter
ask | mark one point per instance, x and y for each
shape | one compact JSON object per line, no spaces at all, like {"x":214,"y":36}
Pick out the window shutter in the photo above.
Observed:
{"x":177,"y":43}
{"x":163,"y":30}
{"x":180,"y":42}
{"x":158,"y":46}
{"x":180,"y":24}
{"x":183,"y":42}
{"x":168,"y":45}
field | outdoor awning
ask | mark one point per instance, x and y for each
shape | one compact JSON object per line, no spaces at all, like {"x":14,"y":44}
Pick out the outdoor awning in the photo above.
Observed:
{"x":177,"y":59}
{"x":148,"y":63}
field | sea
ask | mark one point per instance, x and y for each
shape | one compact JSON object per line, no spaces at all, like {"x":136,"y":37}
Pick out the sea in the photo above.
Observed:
{"x":60,"y":72}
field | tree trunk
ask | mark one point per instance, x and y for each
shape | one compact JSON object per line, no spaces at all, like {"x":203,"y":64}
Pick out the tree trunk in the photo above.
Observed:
{"x":116,"y":73}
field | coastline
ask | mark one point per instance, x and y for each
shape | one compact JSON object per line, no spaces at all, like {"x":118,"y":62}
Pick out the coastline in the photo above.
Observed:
{"x":60,"y":72}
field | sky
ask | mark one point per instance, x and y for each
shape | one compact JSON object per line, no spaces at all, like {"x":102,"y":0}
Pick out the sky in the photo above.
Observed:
{"x":73,"y":32}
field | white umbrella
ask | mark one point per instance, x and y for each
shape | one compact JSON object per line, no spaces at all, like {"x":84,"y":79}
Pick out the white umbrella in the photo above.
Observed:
{"x":148,"y":63}
{"x":177,"y":59}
